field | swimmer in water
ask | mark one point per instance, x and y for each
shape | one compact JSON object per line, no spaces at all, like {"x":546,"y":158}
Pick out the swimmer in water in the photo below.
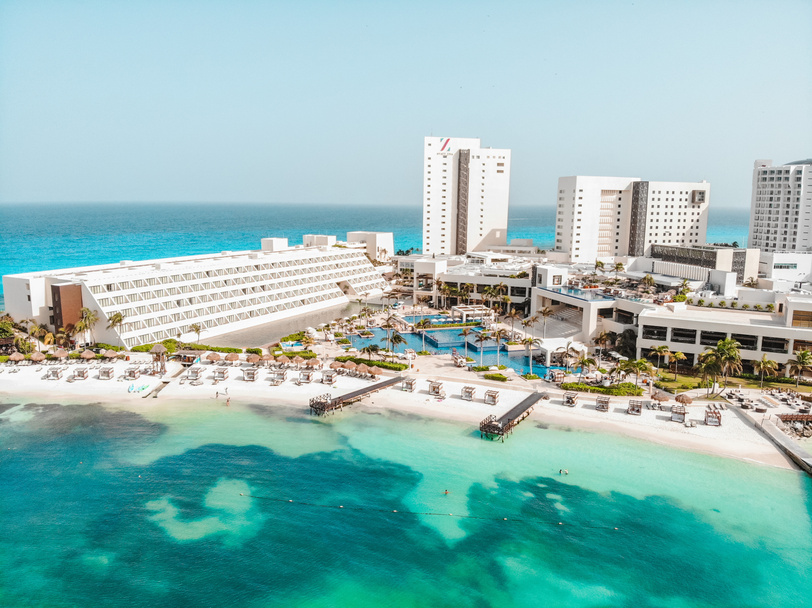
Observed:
{"x":446,"y":492}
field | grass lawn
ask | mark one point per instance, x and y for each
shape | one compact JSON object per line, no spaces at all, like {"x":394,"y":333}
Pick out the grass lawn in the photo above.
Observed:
{"x":684,"y":380}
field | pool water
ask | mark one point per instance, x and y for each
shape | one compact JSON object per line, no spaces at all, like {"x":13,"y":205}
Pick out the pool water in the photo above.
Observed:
{"x":441,"y":342}
{"x":435,"y":319}
{"x":289,"y":345}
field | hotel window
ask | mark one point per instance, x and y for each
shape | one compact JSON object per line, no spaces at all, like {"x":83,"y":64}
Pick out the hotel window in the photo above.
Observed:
{"x":802,"y":318}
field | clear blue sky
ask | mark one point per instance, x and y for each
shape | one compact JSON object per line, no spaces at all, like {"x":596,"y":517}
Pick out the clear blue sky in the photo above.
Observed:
{"x":328,"y":102}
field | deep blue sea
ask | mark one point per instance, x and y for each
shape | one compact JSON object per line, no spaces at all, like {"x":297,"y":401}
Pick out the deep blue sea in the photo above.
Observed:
{"x":51,"y":236}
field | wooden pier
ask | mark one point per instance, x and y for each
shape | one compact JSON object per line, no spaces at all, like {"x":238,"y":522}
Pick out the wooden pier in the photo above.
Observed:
{"x":323,"y":404}
{"x":497,"y":428}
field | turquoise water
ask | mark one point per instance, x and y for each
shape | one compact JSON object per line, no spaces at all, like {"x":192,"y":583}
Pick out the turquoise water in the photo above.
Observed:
{"x":50,"y":236}
{"x":186,"y":505}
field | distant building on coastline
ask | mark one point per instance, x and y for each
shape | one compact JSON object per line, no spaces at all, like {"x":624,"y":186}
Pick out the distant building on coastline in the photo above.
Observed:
{"x":603,"y":217}
{"x":466,"y":191}
{"x":781,"y":206}
{"x":222,"y":292}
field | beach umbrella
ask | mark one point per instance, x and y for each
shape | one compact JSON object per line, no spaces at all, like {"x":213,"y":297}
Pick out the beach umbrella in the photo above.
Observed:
{"x":110,"y":354}
{"x":158,"y":349}
{"x":268,"y":358}
{"x":213,"y":357}
{"x":660,"y":396}
{"x":362,"y":369}
{"x":375,"y":371}
{"x":313,"y":363}
{"x":336,"y":365}
{"x":253,"y":358}
{"x":88,"y":355}
{"x":350,"y":365}
{"x":61,"y":353}
{"x":15,"y":356}
{"x":283,"y":359}
{"x":37,"y":356}
{"x":684,"y":399}
{"x":298,"y":360}
{"x":232,"y":357}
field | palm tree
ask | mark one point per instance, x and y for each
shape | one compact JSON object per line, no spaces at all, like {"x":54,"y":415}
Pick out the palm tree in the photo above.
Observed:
{"x":116,"y":321}
{"x":499,"y":335}
{"x":584,"y":361}
{"x":676,"y":358}
{"x":626,"y":343}
{"x":800,"y":364}
{"x":505,"y":303}
{"x":750,"y":282}
{"x":636,"y":367}
{"x":388,"y":324}
{"x":684,"y":287}
{"x":513,"y":315}
{"x":89,"y":320}
{"x":529,"y":344}
{"x":618,"y":268}
{"x":660,"y":351}
{"x":764,"y":366}
{"x":601,"y":340}
{"x":483,"y":337}
{"x":423,"y":324}
{"x":467,"y":289}
{"x":466,"y":331}
{"x":397,"y":339}
{"x":707,"y":366}
{"x":728,"y":358}
{"x":647,"y":281}
{"x":599,"y":266}
{"x":544,"y":313}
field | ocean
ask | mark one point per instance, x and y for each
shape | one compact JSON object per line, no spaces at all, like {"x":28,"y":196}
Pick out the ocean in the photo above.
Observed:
{"x":191,"y":504}
{"x":51,"y":236}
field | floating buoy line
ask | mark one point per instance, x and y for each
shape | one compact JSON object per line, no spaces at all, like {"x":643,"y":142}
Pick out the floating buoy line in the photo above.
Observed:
{"x":292,"y":502}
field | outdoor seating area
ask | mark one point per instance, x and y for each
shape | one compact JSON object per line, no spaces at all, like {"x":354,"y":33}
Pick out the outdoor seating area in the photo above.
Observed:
{"x":328,"y":376}
{"x":436,"y":389}
{"x":80,"y":373}
{"x":306,"y":376}
{"x":713,"y":417}
{"x":602,"y":403}
{"x":570,"y":399}
{"x":132,"y":373}
{"x":194,"y":373}
{"x":491,"y":397}
{"x":635,"y":407}
{"x":467,"y":393}
{"x":250,"y":374}
{"x":678,"y":413}
{"x":220,"y":374}
{"x":408,"y":384}
{"x":106,"y":373}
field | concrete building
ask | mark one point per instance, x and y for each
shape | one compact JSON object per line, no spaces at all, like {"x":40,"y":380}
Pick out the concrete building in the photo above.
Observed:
{"x":781,"y":206}
{"x":379,"y":246}
{"x":603,"y":217}
{"x":792,"y":266}
{"x":466,"y":191}
{"x":223,"y":292}
{"x":689,"y":262}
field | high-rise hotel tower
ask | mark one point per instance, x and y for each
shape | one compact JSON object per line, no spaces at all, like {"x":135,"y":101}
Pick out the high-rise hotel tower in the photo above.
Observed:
{"x":466,"y":190}
{"x":781,"y":206}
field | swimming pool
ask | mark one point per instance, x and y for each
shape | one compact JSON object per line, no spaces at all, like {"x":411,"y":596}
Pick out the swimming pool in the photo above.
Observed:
{"x":441,"y":342}
{"x":435,"y":319}
{"x":289,"y":345}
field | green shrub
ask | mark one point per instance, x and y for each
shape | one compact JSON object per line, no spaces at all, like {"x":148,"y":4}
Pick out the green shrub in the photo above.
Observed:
{"x":502,"y":367}
{"x":254,"y":351}
{"x":382,"y":364}
{"x":338,"y":334}
{"x":777,"y":379}
{"x":680,"y":297}
{"x":448,"y":325}
{"x":297,"y":337}
{"x":530,"y":377}
{"x":481,"y":368}
{"x":109,"y":347}
{"x":343,"y":341}
{"x":423,"y":353}
{"x":469,"y":359}
{"x":623,"y":389}
{"x":497,"y":377}
{"x":304,"y":354}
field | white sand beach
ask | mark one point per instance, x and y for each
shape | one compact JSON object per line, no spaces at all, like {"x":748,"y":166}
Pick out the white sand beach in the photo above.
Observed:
{"x":737,"y":437}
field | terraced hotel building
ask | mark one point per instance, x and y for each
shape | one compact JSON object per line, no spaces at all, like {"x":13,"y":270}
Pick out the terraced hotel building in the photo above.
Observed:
{"x":222,"y":292}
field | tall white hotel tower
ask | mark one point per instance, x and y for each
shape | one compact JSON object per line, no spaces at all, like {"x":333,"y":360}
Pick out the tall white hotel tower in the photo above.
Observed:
{"x":781,"y":207}
{"x":466,"y":190}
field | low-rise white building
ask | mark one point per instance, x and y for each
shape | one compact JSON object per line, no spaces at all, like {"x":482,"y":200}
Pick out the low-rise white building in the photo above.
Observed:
{"x":222,"y":292}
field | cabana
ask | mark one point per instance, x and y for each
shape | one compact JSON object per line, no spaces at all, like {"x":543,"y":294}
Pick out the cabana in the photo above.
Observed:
{"x":635,"y":407}
{"x":570,"y":399}
{"x":250,"y":374}
{"x":132,"y":373}
{"x":436,"y":389}
{"x":80,"y":373}
{"x":194,"y":373}
{"x":220,"y":374}
{"x":328,"y":376}
{"x":468,"y":393}
{"x":187,"y":357}
{"x":54,"y":373}
{"x":558,"y":375}
{"x":713,"y":418}
{"x":279,"y":376}
{"x":106,"y":373}
{"x":306,"y":376}
{"x":602,"y":403}
{"x":678,"y":413}
{"x":158,"y":353}
{"x":491,"y":397}
{"x":408,"y":384}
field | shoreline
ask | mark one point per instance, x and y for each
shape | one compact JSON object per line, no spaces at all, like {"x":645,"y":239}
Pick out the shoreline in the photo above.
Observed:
{"x":737,"y":438}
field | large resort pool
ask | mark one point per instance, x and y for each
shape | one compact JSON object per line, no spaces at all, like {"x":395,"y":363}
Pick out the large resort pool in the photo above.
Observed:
{"x":442,"y":341}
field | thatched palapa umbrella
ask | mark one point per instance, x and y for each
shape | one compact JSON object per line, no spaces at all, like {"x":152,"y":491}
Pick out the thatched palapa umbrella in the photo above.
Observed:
{"x":213,"y":357}
{"x":336,"y":365}
{"x":313,"y":363}
{"x":232,"y":357}
{"x":111,"y":354}
{"x":283,"y":359}
{"x":351,"y":365}
{"x":268,"y":359}
{"x":37,"y":356}
{"x":298,"y":361}
{"x":61,"y":353}
{"x":16,"y":357}
{"x":660,"y":396}
{"x":158,"y":349}
{"x":88,"y":355}
{"x":253,"y":358}
{"x":375,"y":370}
{"x":684,"y":399}
{"x":362,"y":369}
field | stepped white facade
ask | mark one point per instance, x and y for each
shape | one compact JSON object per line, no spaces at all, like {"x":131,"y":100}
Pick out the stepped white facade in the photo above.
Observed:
{"x":781,"y":206}
{"x":466,"y":191}
{"x":222,"y":292}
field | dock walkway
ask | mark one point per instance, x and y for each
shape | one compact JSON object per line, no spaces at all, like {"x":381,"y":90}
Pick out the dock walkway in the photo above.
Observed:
{"x":324,"y":403}
{"x":493,"y":427}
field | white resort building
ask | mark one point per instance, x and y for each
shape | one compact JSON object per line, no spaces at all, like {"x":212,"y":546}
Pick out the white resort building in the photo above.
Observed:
{"x":221,"y":292}
{"x":602,"y":217}
{"x":466,"y":191}
{"x":781,"y":206}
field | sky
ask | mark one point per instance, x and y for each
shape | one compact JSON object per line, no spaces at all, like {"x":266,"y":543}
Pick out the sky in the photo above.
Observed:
{"x":328,"y":102}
